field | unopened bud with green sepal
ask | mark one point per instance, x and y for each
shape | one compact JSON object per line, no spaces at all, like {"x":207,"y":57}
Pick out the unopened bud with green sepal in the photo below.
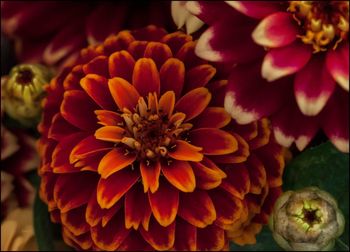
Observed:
{"x":306,"y":220}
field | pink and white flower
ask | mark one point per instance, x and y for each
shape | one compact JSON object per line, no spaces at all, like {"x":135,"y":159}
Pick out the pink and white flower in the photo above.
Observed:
{"x":293,"y":64}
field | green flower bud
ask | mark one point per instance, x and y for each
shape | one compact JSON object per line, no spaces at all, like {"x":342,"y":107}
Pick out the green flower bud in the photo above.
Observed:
{"x":306,"y":220}
{"x":22,"y":92}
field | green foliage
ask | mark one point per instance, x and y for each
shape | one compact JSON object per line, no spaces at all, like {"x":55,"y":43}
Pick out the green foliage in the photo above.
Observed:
{"x":322,"y":166}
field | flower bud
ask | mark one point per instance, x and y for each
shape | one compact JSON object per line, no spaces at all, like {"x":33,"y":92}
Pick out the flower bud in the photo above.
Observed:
{"x":306,"y":220}
{"x":22,"y":92}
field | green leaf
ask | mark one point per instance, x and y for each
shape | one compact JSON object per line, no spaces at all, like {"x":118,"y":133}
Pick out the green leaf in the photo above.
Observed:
{"x":327,"y":168}
{"x":43,"y":226}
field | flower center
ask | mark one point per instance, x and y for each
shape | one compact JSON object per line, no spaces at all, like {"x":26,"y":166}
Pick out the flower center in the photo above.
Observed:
{"x":324,"y":23}
{"x":152,"y":132}
{"x":24,"y":77}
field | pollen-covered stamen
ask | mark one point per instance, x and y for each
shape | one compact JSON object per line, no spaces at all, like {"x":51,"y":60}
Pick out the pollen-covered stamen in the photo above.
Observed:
{"x":324,"y":23}
{"x":150,"y":131}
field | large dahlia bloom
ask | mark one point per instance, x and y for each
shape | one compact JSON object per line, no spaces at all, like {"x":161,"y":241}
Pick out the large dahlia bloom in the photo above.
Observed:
{"x":139,"y":154}
{"x":53,"y":32}
{"x":293,"y":64}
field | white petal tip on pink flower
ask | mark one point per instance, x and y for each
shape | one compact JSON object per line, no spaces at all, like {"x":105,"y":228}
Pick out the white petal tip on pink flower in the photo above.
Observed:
{"x":237,"y":112}
{"x":341,"y":143}
{"x":204,"y":50}
{"x":237,"y":5}
{"x":276,"y":30}
{"x":283,"y":139}
{"x":302,"y":142}
{"x":311,"y":106}
{"x":271,"y":72}
{"x":193,"y":7}
{"x":342,"y":80}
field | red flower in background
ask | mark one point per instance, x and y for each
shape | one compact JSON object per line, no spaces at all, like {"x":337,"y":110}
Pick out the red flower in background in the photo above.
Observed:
{"x":53,"y":32}
{"x":301,"y":47}
{"x":137,"y":154}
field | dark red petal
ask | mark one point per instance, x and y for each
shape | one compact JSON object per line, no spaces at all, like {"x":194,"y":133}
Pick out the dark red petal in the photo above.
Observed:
{"x":213,"y":141}
{"x":74,"y":102}
{"x":96,"y":87}
{"x":98,"y":66}
{"x":172,"y":76}
{"x":180,"y":174}
{"x":87,"y":147}
{"x":74,"y":221}
{"x":145,"y":77}
{"x":176,"y":40}
{"x":160,"y":238}
{"x":74,"y":190}
{"x":257,"y":174}
{"x":237,"y":182}
{"x":212,"y":117}
{"x":159,"y":52}
{"x":134,"y":214}
{"x":276,"y":30}
{"x":198,"y":76}
{"x":197,"y":208}
{"x":187,"y":55}
{"x":164,"y":203}
{"x":211,"y":238}
{"x":111,"y":236}
{"x":185,"y":236}
{"x":124,"y":94}
{"x":193,"y":103}
{"x":110,"y":190}
{"x":60,"y":127}
{"x":121,"y":64}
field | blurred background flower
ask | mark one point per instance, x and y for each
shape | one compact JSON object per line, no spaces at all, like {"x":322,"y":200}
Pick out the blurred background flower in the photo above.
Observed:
{"x":311,"y":87}
{"x":53,"y":32}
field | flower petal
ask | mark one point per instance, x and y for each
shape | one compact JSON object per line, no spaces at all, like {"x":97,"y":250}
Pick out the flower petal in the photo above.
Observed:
{"x":212,"y":117}
{"x":115,"y":160}
{"x":213,"y":141}
{"x":150,"y":176}
{"x":338,"y":65}
{"x":124,"y":94}
{"x":275,"y":65}
{"x":257,"y":174}
{"x":193,"y":103}
{"x":121,"y":64}
{"x":186,"y":236}
{"x":276,"y":30}
{"x":98,"y":66}
{"x":172,"y":76}
{"x":164,"y":203}
{"x":176,"y":40}
{"x":66,"y":193}
{"x":74,"y":221}
{"x":211,"y":238}
{"x":96,"y":87}
{"x":159,"y":52}
{"x":199,"y":76}
{"x":74,"y":102}
{"x":60,"y":128}
{"x":160,"y":238}
{"x":237,"y":182}
{"x":249,"y":97}
{"x":110,"y":190}
{"x":336,"y":125}
{"x":180,"y":174}
{"x":134,"y":214}
{"x":256,"y":10}
{"x":313,"y":88}
{"x":145,"y":77}
{"x":108,"y":118}
{"x":167,"y":103}
{"x":197,"y":208}
{"x":110,"y":133}
{"x":86,"y":147}
{"x":112,"y":235}
{"x":185,"y":151}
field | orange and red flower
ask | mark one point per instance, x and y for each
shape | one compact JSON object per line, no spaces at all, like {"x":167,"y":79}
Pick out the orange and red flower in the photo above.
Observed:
{"x":138,"y":152}
{"x":293,"y":59}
